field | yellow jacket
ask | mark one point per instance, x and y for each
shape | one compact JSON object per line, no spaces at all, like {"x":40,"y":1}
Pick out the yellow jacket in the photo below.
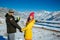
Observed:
{"x":28,"y":30}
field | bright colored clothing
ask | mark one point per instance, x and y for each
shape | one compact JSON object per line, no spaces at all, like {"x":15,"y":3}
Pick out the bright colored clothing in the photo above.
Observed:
{"x":28,"y":30}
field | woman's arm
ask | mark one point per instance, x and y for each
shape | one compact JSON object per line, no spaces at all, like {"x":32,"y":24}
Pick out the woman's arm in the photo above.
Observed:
{"x":30,"y":25}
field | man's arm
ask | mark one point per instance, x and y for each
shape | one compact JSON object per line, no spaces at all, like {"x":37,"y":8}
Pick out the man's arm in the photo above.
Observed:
{"x":14,"y":23}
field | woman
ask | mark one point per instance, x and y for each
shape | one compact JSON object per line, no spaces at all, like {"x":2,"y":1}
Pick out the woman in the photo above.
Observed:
{"x":29,"y":25}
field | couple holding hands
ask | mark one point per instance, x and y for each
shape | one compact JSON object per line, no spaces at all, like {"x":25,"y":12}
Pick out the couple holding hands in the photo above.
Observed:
{"x":12,"y":25}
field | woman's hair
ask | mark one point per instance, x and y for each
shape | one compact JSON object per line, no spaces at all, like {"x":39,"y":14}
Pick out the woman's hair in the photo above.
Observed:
{"x":31,"y":14}
{"x":27,"y":20}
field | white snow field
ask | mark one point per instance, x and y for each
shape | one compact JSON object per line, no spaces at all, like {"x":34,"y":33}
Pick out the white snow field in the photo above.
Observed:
{"x":38,"y":33}
{"x":49,"y":20}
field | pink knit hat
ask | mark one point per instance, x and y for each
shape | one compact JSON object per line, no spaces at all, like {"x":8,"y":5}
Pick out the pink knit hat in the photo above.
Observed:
{"x":31,"y":14}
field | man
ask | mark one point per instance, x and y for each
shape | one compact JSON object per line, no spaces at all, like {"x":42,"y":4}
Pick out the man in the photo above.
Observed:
{"x":11,"y":25}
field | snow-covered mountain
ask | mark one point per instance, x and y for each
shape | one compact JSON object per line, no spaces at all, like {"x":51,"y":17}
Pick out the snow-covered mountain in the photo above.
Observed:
{"x":46,"y":15}
{"x":47,"y":19}
{"x":39,"y":15}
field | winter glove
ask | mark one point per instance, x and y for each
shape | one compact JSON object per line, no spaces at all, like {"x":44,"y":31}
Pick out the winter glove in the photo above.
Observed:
{"x":20,"y":30}
{"x":18,"y":18}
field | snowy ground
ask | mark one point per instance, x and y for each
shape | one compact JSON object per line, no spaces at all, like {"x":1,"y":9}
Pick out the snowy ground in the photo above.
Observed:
{"x":38,"y":33}
{"x":41,"y":34}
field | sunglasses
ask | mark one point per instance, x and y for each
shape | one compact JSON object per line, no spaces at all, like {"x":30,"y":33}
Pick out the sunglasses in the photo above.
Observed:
{"x":11,"y":12}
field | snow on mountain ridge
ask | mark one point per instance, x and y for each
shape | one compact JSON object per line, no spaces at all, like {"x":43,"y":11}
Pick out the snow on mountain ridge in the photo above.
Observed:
{"x":39,"y":15}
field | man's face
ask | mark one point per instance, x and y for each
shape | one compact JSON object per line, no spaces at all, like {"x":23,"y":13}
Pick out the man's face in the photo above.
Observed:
{"x":11,"y":13}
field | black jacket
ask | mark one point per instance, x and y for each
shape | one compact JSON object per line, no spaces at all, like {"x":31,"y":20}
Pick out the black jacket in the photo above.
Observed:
{"x":11,"y":24}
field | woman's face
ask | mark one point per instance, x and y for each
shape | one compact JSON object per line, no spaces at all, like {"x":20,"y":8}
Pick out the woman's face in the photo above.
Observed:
{"x":31,"y":17}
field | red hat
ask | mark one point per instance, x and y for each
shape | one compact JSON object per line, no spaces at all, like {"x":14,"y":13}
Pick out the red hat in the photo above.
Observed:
{"x":31,"y":14}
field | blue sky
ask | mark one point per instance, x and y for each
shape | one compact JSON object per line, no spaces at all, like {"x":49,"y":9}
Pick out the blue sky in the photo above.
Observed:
{"x":36,"y":5}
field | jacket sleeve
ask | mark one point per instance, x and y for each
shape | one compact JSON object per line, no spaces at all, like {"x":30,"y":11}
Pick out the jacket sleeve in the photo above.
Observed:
{"x":28,"y":26}
{"x":25,"y":28}
{"x":14,"y":23}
